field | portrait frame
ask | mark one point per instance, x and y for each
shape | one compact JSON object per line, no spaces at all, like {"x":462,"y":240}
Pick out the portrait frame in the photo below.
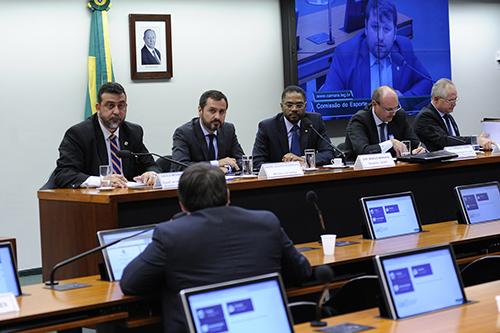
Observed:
{"x":153,"y":61}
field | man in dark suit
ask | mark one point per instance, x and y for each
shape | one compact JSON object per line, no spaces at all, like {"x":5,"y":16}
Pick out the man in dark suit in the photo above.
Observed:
{"x":380,"y":127}
{"x":376,"y":57}
{"x":284,"y":137}
{"x":94,"y":142}
{"x":149,"y":54}
{"x":434,"y":124}
{"x":208,"y":137}
{"x":213,"y":242}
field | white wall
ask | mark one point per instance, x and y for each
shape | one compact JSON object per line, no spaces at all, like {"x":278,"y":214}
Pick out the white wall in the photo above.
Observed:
{"x":231,"y":45}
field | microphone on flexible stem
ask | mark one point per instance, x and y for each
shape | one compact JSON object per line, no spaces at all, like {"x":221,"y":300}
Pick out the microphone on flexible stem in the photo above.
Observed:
{"x":312,"y":198}
{"x":341,"y":153}
{"x":399,"y":60}
{"x":323,"y":274}
{"x":129,"y":154}
{"x":52,"y":284}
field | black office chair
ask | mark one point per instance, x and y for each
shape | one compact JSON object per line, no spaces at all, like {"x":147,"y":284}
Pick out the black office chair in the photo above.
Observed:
{"x":357,"y":294}
{"x":482,"y":270}
{"x":164,"y":164}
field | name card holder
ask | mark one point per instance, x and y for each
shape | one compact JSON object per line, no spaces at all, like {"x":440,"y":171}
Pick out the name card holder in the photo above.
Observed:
{"x":169,"y":180}
{"x":280,"y":170}
{"x":373,"y":161}
{"x":463,"y":151}
{"x":8,"y":303}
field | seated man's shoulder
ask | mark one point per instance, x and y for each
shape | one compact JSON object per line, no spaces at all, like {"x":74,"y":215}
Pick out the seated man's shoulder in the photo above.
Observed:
{"x":186,"y":127}
{"x":271,"y":121}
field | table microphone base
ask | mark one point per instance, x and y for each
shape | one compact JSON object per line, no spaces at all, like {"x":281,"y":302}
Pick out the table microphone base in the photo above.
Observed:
{"x":318,"y":323}
{"x":67,"y":286}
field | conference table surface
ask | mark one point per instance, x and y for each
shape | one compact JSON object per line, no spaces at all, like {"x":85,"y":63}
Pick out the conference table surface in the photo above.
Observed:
{"x":480,"y":315}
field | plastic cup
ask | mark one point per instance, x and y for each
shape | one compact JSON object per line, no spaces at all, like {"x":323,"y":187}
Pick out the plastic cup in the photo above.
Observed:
{"x":328,"y":242}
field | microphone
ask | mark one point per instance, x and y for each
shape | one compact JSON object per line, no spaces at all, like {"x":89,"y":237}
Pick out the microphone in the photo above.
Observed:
{"x":323,"y":274}
{"x":312,"y":198}
{"x":52,"y":284}
{"x":129,"y":154}
{"x":311,"y":126}
{"x":399,"y":60}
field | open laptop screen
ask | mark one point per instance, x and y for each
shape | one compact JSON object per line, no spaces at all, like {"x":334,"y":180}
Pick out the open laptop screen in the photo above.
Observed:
{"x":479,"y":202}
{"x":416,"y":282}
{"x":390,"y":215}
{"x":117,"y":257}
{"x":9,"y":280}
{"x":249,"y":305}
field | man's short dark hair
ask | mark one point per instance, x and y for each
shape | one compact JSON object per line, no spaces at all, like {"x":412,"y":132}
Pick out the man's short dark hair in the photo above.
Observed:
{"x":202,"y":186}
{"x":110,"y":88}
{"x":383,"y":8}
{"x":213,"y":94}
{"x":291,"y":89}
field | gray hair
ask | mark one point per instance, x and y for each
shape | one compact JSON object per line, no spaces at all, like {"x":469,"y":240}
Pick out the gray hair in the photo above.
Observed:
{"x":440,"y":88}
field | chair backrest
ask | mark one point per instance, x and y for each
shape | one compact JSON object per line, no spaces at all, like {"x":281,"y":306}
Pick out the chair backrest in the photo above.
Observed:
{"x":357,"y":294}
{"x":164,"y":164}
{"x":482,"y":270}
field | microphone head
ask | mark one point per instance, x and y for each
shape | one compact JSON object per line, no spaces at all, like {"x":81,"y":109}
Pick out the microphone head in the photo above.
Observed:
{"x":323,"y":274}
{"x":311,"y":196}
{"x":124,"y":154}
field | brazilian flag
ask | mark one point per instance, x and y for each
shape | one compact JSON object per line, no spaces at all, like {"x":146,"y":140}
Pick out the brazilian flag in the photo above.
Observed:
{"x":100,"y":68}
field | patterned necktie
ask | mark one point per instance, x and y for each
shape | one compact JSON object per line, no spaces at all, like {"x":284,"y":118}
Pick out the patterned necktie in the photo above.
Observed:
{"x":447,"y":121}
{"x":383,"y":137}
{"x":295,"y":144}
{"x":211,"y":147}
{"x":116,"y":162}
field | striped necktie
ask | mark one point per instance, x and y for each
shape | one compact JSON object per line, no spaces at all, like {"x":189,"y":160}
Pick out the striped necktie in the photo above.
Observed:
{"x":116,"y":162}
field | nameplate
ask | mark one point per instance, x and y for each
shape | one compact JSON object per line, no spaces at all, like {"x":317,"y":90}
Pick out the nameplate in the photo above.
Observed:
{"x":280,"y":170}
{"x":372,"y":161}
{"x":169,"y":180}
{"x":463,"y":151}
{"x":8,"y":303}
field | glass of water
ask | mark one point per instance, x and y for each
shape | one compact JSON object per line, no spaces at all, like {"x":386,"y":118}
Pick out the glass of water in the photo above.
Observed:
{"x":247,"y":165}
{"x":105,"y":173}
{"x":310,"y":157}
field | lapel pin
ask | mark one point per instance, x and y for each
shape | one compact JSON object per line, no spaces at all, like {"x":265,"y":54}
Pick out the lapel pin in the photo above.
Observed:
{"x":125,"y":143}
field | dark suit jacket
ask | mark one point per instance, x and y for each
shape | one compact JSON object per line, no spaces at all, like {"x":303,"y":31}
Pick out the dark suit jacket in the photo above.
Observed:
{"x":271,"y":141}
{"x":83,"y":149}
{"x":431,"y":130}
{"x":350,"y":69}
{"x":209,"y":246}
{"x":147,"y":58}
{"x":362,"y":133}
{"x":190,"y":145}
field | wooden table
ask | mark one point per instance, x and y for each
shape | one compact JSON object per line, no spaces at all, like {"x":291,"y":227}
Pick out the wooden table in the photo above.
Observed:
{"x":69,"y":219}
{"x":480,"y":316}
{"x":43,"y":310}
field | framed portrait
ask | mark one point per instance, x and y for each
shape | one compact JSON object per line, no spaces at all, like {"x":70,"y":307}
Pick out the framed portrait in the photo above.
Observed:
{"x":150,"y":46}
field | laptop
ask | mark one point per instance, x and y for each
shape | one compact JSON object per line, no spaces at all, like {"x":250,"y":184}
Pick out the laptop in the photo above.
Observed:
{"x":433,"y":156}
{"x":478,"y":202}
{"x":256,"y":304}
{"x":9,"y":280}
{"x":390,"y":215}
{"x":419,"y":281}
{"x":116,"y":257}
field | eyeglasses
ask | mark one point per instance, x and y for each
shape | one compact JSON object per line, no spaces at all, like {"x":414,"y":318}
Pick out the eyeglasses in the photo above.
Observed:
{"x":289,"y":105}
{"x":110,"y":106}
{"x":393,"y":110}
{"x":450,"y":101}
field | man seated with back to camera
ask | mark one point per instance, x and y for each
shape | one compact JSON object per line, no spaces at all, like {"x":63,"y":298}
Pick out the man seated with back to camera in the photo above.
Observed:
{"x":213,"y":242}
{"x":380,"y":127}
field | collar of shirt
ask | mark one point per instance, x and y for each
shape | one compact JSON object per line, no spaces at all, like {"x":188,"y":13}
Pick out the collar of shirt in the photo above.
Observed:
{"x":376,"y":118}
{"x":152,"y":50}
{"x":289,"y":125}
{"x":440,"y":113}
{"x":107,"y":133}
{"x":374,"y":61}
{"x":205,"y":131}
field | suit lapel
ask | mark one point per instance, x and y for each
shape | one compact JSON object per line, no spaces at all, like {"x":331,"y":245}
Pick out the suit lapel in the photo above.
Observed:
{"x":123,"y":139}
{"x":282,"y":134}
{"x":221,"y":147}
{"x":373,"y":129}
{"x":195,"y":123}
{"x":454,"y":124}
{"x":439,"y":118}
{"x":102,"y":151}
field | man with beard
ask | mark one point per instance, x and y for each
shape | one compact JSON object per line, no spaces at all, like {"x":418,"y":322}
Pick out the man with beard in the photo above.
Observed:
{"x":95,"y":142}
{"x":208,"y":138}
{"x":284,"y":137}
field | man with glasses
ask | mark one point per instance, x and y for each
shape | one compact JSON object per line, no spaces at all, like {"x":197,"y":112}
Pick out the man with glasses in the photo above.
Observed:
{"x":434,"y":124}
{"x":97,"y":140}
{"x":284,"y":137}
{"x":380,"y":127}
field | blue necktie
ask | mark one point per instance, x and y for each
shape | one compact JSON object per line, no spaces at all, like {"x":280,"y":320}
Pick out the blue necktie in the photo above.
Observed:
{"x":448,"y":124}
{"x":295,"y":145}
{"x":382,"y":132}
{"x":116,"y":163}
{"x":211,"y":147}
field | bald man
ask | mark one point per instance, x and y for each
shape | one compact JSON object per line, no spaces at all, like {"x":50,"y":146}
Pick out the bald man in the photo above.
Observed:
{"x":380,"y":127}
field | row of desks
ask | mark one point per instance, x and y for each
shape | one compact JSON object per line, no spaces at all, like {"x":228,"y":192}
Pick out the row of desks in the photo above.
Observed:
{"x":79,"y":214}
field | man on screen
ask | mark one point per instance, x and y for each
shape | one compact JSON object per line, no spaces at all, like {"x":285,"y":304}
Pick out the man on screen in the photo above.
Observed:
{"x":435,"y":125}
{"x":213,"y":242}
{"x":380,"y":127}
{"x":149,"y":54}
{"x":284,"y":137}
{"x":376,"y":57}
{"x":97,"y":140}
